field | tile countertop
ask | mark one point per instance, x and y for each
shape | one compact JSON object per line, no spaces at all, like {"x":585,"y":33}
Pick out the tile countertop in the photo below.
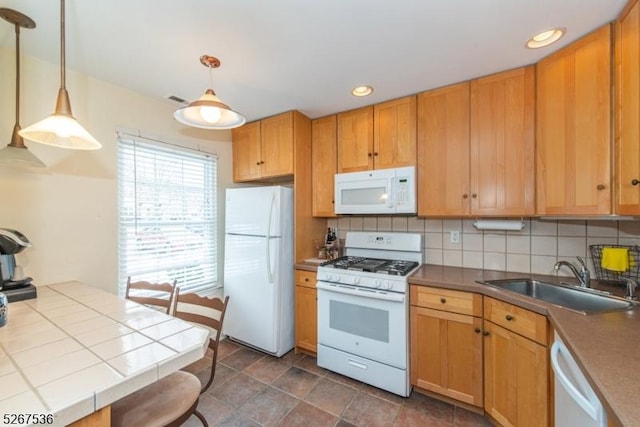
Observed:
{"x":76,"y":349}
{"x":605,"y":345}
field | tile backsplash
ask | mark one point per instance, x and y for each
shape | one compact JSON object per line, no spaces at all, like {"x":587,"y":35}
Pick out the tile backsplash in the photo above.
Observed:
{"x":534,"y":249}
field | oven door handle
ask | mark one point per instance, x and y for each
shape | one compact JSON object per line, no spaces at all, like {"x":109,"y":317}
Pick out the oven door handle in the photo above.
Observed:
{"x":347,"y":290}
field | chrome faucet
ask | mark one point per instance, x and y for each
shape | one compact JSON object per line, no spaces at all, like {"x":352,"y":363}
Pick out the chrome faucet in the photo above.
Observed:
{"x":583,"y":275}
{"x":631,"y":288}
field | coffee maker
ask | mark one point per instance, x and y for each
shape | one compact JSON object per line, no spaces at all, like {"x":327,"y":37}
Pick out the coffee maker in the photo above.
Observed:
{"x":12,"y":283}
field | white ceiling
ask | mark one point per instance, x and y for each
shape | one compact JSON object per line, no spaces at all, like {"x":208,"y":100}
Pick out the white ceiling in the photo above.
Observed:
{"x":279,"y":55}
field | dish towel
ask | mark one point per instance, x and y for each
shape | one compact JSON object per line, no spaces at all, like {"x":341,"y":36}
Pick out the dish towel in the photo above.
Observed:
{"x":616,"y":259}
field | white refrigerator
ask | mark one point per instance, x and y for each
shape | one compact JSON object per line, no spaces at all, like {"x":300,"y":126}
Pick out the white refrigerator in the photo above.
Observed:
{"x":258,"y":267}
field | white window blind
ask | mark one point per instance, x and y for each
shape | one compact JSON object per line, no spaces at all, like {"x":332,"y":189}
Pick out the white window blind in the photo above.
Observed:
{"x":167,"y":208}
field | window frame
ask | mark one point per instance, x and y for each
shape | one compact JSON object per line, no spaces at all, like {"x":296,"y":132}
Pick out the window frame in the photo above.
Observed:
{"x":183,"y":246}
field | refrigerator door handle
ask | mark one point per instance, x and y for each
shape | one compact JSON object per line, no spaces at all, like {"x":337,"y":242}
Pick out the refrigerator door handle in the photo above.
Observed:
{"x":267,"y":239}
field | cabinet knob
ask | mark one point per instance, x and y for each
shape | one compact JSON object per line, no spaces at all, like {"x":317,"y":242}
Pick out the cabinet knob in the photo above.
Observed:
{"x":601,"y":187}
{"x":474,"y":195}
{"x":485,"y":333}
{"x":443,"y":300}
{"x":262,"y":162}
{"x":369,"y":154}
{"x":465,"y":196}
{"x":306,"y":279}
{"x":635,"y":182}
{"x":375,"y":154}
{"x":258,"y":163}
{"x":477,"y":330}
{"x":509,"y":317}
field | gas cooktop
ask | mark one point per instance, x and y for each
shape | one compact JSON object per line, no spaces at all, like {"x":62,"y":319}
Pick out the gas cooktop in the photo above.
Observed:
{"x":373,"y":265}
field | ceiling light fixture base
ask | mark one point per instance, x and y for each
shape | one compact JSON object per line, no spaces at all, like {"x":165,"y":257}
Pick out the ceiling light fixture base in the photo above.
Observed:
{"x":210,"y":61}
{"x":16,"y":18}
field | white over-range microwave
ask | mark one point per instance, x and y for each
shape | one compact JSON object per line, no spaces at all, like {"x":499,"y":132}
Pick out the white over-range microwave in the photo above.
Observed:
{"x":382,"y":191}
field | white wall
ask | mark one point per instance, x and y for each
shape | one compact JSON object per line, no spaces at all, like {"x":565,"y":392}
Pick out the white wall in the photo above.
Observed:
{"x":69,"y":209}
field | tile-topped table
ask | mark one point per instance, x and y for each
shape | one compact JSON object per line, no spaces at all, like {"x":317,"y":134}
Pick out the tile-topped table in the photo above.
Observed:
{"x":76,"y":349}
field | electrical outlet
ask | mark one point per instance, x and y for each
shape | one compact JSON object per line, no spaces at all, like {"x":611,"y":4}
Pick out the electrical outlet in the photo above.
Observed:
{"x":454,"y":236}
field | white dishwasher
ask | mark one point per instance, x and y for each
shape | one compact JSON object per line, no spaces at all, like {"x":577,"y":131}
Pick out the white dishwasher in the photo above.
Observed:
{"x":576,"y":404}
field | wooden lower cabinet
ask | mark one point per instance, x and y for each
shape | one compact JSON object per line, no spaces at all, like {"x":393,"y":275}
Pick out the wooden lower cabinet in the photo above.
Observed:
{"x":306,"y":322}
{"x":446,"y":343}
{"x":516,"y":370}
{"x":446,"y":354}
{"x":482,"y":352}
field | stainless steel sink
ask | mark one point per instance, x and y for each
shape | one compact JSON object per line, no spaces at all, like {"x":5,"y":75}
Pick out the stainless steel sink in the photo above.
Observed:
{"x":586,"y":301}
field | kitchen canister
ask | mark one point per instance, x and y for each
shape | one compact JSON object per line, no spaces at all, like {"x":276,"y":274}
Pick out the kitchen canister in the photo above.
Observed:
{"x":4,"y":309}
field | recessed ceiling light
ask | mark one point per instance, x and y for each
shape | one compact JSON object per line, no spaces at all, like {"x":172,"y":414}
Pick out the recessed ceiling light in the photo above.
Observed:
{"x":362,"y":91}
{"x":545,"y":38}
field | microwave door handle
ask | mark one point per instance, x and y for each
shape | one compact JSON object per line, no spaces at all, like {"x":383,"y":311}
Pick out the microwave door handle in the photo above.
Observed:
{"x":391,"y":195}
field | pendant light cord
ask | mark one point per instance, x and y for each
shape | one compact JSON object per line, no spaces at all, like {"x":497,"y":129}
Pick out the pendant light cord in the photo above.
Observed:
{"x":62,"y":47}
{"x":18,"y":75}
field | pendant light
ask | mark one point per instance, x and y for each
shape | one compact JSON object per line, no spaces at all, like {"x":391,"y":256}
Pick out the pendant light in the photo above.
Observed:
{"x":209,"y":112}
{"x":61,"y":129}
{"x":16,"y":153}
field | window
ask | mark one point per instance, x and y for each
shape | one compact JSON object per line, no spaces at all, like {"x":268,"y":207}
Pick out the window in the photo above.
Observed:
{"x":167,"y":208}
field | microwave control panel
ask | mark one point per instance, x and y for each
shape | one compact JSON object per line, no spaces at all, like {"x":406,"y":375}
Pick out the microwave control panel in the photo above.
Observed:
{"x":402,"y":191}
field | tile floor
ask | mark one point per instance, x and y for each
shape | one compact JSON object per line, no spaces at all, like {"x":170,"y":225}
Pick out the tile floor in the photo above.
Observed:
{"x":254,"y":389}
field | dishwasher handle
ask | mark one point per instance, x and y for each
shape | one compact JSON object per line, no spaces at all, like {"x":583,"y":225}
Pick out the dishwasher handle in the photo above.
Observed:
{"x":590,"y":406}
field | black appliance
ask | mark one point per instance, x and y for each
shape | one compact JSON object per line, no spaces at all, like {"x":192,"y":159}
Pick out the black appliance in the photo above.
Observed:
{"x":13,"y":242}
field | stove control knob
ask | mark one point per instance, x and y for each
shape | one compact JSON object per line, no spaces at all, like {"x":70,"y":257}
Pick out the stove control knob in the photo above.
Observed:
{"x":356,"y":280}
{"x":329,"y":277}
{"x":337,"y":278}
{"x":387,"y":285}
{"x":377,"y":283}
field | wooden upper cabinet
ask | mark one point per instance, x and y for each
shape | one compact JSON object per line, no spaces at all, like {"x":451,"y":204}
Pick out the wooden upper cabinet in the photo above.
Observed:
{"x":246,"y":152}
{"x":323,"y":165}
{"x":355,"y":140}
{"x":502,"y":143}
{"x":277,"y":145}
{"x":443,"y":151}
{"x":574,"y":128}
{"x":394,"y":134}
{"x":627,"y":110}
{"x":264,"y":149}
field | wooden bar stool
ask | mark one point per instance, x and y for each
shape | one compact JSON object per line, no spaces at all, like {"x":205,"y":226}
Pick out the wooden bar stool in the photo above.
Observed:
{"x":173,"y":399}
{"x":154,"y":294}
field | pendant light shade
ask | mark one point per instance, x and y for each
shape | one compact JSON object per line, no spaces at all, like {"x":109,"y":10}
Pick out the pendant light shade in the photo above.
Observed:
{"x":209,"y":112}
{"x":61,"y":129}
{"x":16,"y":153}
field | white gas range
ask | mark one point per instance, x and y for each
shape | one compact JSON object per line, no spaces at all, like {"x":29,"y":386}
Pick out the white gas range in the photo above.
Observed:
{"x":363,"y":309}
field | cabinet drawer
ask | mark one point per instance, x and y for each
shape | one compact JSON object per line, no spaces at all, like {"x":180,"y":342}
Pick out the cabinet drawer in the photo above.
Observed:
{"x":519,"y":320}
{"x":306,"y":278}
{"x":447,"y":300}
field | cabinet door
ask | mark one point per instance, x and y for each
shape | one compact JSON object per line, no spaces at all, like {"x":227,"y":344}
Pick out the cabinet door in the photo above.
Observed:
{"x":446,"y":354}
{"x":573,"y":128}
{"x":443,"y":151}
{"x":246,"y":152}
{"x":394,"y":135}
{"x":277,"y":145}
{"x":306,"y":318}
{"x":355,"y":140}
{"x":323,"y":165}
{"x":516,"y":378}
{"x":502,"y":143}
{"x":628,"y":111}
